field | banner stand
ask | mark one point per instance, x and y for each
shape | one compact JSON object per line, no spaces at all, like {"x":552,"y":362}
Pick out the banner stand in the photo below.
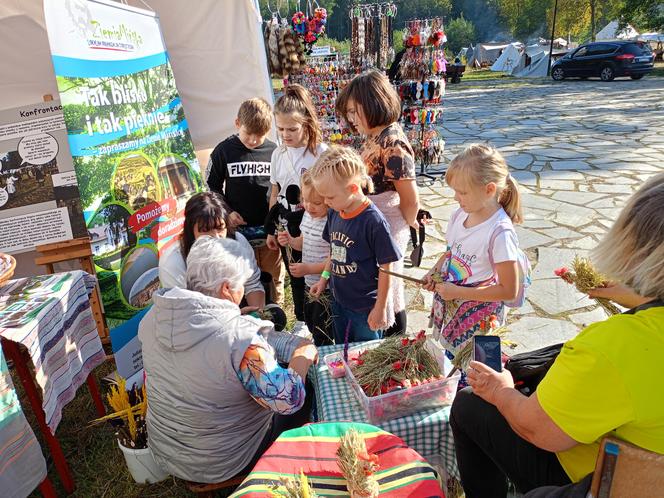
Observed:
{"x":76,"y":249}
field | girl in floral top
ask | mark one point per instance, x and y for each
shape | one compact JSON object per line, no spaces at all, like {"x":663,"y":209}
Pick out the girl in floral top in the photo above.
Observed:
{"x":372,"y":107}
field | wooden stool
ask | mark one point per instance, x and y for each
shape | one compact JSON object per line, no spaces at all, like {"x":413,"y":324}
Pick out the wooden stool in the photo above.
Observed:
{"x":76,"y":249}
{"x":204,"y":490}
{"x":623,"y":469}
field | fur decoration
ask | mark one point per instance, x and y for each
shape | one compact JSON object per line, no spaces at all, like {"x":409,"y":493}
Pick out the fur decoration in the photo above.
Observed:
{"x":273,"y":45}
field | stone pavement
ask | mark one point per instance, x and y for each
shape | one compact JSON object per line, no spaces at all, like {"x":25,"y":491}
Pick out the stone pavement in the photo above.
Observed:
{"x":578,"y":149}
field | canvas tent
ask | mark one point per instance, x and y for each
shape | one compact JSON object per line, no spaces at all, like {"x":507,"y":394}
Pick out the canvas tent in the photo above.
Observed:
{"x":485,"y":54}
{"x":523,"y":62}
{"x":511,"y":59}
{"x":612,"y":31}
{"x":215,"y":46}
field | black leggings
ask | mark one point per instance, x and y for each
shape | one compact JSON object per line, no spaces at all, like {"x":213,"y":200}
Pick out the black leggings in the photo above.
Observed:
{"x":489,"y":452}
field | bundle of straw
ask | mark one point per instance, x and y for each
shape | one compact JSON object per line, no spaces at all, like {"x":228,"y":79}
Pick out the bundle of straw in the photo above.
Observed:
{"x":397,"y":363}
{"x":290,"y":487}
{"x":357,"y":465}
{"x":133,"y":432}
{"x":585,"y":277}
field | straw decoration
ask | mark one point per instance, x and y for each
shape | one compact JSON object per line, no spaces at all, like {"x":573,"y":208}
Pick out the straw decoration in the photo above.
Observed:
{"x":357,"y":465}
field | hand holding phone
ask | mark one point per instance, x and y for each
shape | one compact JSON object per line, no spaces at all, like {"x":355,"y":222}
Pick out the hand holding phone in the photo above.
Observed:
{"x":486,"y":349}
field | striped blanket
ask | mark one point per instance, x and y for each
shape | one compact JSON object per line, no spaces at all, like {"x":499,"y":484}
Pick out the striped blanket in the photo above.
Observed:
{"x":312,"y":449}
{"x":22,"y":464}
{"x":51,"y":316}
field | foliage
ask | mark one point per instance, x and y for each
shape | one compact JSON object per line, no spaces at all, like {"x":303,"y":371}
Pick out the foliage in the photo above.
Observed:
{"x":341,"y":46}
{"x":460,"y":33}
{"x":645,"y":15}
{"x":583,"y":19}
{"x":525,"y":18}
{"x":484,"y":16}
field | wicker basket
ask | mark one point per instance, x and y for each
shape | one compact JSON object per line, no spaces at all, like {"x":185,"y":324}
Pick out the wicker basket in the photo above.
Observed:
{"x":7,"y":267}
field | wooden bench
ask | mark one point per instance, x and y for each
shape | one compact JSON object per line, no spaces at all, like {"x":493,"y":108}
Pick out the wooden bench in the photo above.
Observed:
{"x":203,"y":490}
{"x":625,"y":470}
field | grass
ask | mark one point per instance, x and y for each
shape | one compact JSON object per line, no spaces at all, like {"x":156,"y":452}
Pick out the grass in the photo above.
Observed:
{"x":658,"y":70}
{"x":482,"y":74}
{"x":92,"y":453}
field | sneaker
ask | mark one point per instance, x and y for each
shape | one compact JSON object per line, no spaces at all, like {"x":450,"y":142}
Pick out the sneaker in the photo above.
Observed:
{"x":300,"y":329}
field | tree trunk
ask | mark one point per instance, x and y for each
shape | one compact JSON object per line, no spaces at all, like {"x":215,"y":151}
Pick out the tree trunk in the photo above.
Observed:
{"x":592,"y":19}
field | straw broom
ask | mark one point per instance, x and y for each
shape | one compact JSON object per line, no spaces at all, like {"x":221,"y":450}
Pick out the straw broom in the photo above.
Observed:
{"x":585,"y":277}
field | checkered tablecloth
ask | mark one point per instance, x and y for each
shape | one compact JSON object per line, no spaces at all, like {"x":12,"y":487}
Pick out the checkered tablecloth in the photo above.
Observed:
{"x":427,"y":432}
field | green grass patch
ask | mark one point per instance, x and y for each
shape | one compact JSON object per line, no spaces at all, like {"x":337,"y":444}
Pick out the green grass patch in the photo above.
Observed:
{"x":483,"y":74}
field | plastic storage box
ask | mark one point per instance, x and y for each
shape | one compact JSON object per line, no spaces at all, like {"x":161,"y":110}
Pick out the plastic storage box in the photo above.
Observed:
{"x":400,"y":403}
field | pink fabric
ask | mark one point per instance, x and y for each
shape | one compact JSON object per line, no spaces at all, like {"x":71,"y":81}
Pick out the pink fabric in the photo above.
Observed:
{"x":388,"y":203}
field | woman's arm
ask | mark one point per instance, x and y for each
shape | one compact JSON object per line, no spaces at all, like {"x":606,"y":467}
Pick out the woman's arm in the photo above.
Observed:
{"x":409,"y":201}
{"x":506,"y":289}
{"x":524,"y":414}
{"x":620,"y":294}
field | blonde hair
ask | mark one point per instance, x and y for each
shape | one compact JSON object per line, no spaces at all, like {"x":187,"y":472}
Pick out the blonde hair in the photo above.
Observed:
{"x":255,"y":115}
{"x":296,"y":101}
{"x":307,"y":182}
{"x":482,"y":164}
{"x":632,"y":252}
{"x":341,"y":164}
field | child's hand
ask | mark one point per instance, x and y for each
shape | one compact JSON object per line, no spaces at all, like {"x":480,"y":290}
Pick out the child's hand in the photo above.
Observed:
{"x":447,"y":291}
{"x":377,"y":319}
{"x":318,"y":288}
{"x":235,"y":219}
{"x":299,"y":269}
{"x":272,"y":243}
{"x":428,"y":283}
{"x":284,"y":238}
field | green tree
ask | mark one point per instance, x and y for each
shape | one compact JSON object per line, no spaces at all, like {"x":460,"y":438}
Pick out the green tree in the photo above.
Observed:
{"x":583,"y":19}
{"x":460,"y":33}
{"x":525,"y":18}
{"x":644,"y":15}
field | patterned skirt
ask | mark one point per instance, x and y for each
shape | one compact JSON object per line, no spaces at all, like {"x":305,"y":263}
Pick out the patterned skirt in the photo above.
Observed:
{"x":456,"y":322}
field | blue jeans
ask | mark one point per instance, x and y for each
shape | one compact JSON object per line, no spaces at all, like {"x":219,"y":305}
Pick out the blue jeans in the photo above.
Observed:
{"x":359,"y":328}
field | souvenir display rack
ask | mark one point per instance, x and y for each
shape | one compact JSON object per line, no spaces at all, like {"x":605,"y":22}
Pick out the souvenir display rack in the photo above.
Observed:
{"x":421,"y":86}
{"x":324,"y":77}
{"x":371,"y":40}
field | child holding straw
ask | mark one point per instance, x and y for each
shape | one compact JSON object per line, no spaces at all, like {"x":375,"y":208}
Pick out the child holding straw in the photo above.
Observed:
{"x":360,"y":244}
{"x":315,"y":251}
{"x":479,"y":270}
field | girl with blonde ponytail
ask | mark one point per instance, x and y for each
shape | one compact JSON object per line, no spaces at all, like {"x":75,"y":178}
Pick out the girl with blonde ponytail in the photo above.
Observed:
{"x":480,"y":267}
{"x":360,"y":244}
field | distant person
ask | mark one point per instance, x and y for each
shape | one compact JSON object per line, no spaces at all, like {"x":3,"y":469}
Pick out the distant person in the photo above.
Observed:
{"x":239,"y":171}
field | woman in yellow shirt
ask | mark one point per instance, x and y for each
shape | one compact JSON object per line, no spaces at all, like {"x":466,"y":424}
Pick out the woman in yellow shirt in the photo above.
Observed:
{"x":607,"y":380}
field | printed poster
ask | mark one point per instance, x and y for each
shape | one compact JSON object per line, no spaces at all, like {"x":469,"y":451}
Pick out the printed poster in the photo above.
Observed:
{"x":39,"y":197}
{"x":129,"y":140}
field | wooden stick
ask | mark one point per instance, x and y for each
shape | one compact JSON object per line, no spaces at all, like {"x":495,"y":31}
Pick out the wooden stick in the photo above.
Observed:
{"x":405,"y":277}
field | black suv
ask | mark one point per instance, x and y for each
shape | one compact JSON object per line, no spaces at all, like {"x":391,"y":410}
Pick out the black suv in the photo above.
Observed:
{"x":606,"y":60}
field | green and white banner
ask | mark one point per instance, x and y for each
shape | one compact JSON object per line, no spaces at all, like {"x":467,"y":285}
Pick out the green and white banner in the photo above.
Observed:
{"x":129,"y":139}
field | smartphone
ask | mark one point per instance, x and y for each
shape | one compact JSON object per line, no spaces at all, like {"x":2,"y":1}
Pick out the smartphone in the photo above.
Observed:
{"x":486,"y":349}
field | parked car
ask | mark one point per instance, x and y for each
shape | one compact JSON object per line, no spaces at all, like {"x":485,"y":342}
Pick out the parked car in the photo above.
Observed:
{"x":606,"y":60}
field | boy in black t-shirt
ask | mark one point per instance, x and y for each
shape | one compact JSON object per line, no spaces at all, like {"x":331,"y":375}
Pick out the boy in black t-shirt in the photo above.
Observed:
{"x":239,"y":170}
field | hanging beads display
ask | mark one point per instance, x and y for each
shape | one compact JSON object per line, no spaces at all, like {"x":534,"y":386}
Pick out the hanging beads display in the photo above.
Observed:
{"x":371,"y":34}
{"x":324,"y":77}
{"x":421,"y":87}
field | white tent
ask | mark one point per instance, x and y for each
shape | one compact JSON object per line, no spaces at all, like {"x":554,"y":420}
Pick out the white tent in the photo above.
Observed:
{"x":484,"y":54}
{"x":511,"y":59}
{"x":612,"y":31}
{"x":215,"y":46}
{"x":652,"y":37}
{"x":539,"y":64}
